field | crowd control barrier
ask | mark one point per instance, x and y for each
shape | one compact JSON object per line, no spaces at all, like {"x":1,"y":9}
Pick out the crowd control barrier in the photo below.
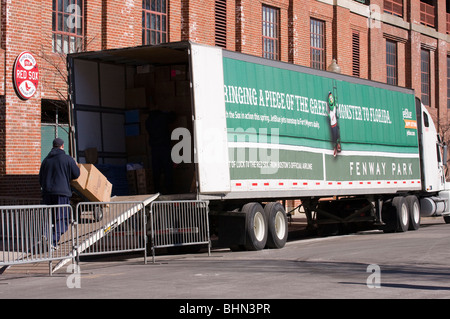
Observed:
{"x":105,"y":228}
{"x":35,"y":233}
{"x":47,"y":233}
{"x":178,"y":224}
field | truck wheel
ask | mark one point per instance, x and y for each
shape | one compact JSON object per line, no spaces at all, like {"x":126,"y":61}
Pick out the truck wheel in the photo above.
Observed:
{"x":255,"y":226}
{"x":414,"y":212}
{"x":277,"y":225}
{"x":401,"y":209}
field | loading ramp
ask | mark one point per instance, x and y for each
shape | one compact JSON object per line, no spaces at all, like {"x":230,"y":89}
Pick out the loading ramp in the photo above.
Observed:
{"x":114,"y":214}
{"x":86,"y":231}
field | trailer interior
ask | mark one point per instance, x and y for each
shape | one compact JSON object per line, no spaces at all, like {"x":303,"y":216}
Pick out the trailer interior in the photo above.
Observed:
{"x":116,"y":92}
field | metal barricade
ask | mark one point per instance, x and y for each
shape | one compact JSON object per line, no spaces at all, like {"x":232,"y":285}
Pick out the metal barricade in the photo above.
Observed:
{"x":179,"y":223}
{"x":110,"y":227}
{"x":45,"y":233}
{"x":31,"y":234}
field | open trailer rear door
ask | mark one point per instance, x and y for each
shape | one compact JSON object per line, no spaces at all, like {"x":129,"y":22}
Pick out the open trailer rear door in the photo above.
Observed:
{"x":210,"y":121}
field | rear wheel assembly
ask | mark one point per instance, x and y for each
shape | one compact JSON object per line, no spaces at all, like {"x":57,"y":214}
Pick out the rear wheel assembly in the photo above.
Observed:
{"x":402,"y":213}
{"x":256,"y":226}
{"x":277,"y":225}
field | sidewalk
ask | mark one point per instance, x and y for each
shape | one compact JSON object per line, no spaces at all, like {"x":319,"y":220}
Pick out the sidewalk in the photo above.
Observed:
{"x":297,"y":229}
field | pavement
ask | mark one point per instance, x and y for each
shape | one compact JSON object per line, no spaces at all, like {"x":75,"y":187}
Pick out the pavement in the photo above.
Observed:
{"x":413,"y":265}
{"x":297,"y":229}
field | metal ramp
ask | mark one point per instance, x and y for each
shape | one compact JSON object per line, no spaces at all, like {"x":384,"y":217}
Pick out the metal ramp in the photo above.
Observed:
{"x":114,"y":214}
{"x":123,"y":214}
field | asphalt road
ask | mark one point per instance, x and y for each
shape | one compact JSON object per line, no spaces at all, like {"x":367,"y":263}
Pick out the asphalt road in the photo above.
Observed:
{"x":370,"y":264}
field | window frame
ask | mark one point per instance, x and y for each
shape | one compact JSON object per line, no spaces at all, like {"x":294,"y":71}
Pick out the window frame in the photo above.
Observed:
{"x":157,"y":11}
{"x":425,"y":76}
{"x":391,"y":62}
{"x":428,"y":13}
{"x":394,"y":7}
{"x":270,"y":32}
{"x":62,"y":33}
{"x":317,"y":44}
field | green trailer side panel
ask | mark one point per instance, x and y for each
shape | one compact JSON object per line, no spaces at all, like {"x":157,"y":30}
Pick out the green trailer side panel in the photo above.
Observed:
{"x":267,"y":106}
{"x":259,"y":96}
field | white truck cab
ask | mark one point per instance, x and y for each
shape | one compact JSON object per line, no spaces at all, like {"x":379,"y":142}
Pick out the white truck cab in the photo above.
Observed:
{"x":434,"y":162}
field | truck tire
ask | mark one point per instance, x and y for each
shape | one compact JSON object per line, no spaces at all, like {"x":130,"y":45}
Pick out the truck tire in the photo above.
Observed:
{"x":402,"y":212}
{"x":255,"y":226}
{"x":277,"y":225}
{"x":414,"y":212}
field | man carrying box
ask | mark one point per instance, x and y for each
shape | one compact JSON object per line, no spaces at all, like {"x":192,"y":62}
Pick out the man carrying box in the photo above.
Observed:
{"x":55,"y":174}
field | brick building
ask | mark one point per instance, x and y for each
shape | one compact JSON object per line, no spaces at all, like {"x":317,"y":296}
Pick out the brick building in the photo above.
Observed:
{"x":400,"y":42}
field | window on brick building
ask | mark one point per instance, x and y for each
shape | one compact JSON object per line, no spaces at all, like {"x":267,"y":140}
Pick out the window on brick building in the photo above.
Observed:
{"x":425,"y":76}
{"x":67,"y":26}
{"x":220,"y":25}
{"x":428,"y":13}
{"x":270,"y":33}
{"x":448,"y":18}
{"x":394,"y":7}
{"x":355,"y":53}
{"x":317,"y":29}
{"x":448,"y":82}
{"x":154,"y":21}
{"x":391,"y":62}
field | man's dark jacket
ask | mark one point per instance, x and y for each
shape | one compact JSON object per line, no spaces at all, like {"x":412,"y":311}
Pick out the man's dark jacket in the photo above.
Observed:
{"x":57,"y":170}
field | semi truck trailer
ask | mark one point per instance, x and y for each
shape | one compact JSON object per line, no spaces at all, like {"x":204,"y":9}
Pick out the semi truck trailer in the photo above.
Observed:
{"x":247,"y":133}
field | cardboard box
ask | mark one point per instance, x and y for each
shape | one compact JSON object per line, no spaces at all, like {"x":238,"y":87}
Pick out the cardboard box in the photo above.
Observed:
{"x":179,"y":104}
{"x":182,"y":88}
{"x":178,"y":72}
{"x":132,"y":185}
{"x":98,"y":188}
{"x":142,"y":80}
{"x":135,"y":98}
{"x":136,"y":145}
{"x":80,"y":183}
{"x":162,"y":73}
{"x":142,"y":69}
{"x":165,"y":88}
{"x":140,"y":181}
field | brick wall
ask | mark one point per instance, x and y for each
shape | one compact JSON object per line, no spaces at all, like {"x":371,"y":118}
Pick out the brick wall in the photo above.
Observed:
{"x":121,"y":23}
{"x":21,"y":120}
{"x":175,"y":20}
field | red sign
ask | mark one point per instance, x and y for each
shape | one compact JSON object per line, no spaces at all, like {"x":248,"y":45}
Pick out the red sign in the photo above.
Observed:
{"x":26,"y":75}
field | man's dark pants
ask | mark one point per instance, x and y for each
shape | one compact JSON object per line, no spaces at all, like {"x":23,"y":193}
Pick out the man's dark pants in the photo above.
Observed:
{"x":60,"y":216}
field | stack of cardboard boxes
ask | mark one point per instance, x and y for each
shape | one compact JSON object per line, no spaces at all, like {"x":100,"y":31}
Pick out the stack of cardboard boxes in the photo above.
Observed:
{"x":153,"y":87}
